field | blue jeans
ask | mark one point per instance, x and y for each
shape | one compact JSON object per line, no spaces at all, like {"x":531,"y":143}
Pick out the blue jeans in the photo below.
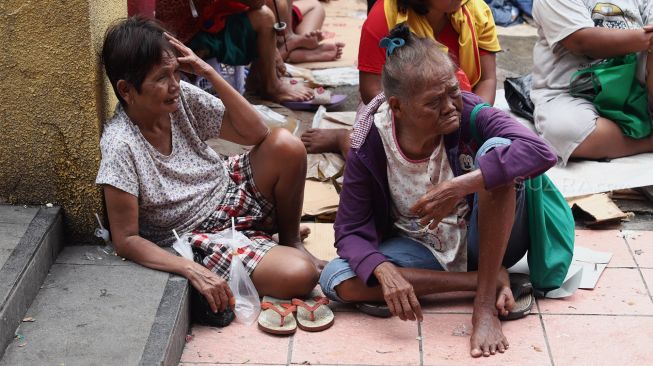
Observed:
{"x":407,"y":253}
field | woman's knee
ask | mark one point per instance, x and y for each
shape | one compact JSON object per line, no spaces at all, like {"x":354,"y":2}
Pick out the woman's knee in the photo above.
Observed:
{"x":298,"y":277}
{"x":284,"y":147}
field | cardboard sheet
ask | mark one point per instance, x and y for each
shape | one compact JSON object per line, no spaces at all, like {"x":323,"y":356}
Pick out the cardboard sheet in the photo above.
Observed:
{"x":320,"y":198}
{"x":580,"y":178}
{"x":320,"y":241}
{"x":597,"y":209}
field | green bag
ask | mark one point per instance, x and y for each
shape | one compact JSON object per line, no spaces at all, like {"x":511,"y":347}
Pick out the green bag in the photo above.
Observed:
{"x":612,"y":86}
{"x":550,"y":223}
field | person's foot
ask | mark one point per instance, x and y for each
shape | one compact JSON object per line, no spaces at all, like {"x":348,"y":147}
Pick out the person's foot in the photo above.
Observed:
{"x":505,"y":298}
{"x":318,"y":140}
{"x":293,"y":41}
{"x":280,"y":91}
{"x":304,"y":232}
{"x":487,"y":337}
{"x":323,"y":53}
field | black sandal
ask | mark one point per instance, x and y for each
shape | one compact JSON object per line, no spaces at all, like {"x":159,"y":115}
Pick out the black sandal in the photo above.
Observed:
{"x":522,"y":291}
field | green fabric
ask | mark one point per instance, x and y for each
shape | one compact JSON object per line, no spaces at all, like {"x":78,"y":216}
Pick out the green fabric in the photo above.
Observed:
{"x":234,"y":45}
{"x":550,"y":224}
{"x":616,"y":93}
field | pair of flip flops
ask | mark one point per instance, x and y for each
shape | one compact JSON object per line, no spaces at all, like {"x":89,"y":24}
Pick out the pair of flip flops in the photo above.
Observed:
{"x":282,"y":317}
{"x":321,"y":96}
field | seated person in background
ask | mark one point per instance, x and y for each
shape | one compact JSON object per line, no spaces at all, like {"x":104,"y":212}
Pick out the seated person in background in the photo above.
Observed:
{"x":415,"y":217}
{"x":235,"y":32}
{"x":571,"y":35}
{"x":472,"y":48}
{"x":158,"y":174}
{"x":303,"y":34}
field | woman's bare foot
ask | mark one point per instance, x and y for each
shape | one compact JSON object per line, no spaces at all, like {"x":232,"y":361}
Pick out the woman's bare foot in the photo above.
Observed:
{"x":487,"y":337}
{"x":324,"y":52}
{"x":304,"y":232}
{"x":318,"y":140}
{"x":281,"y":91}
{"x":293,"y":41}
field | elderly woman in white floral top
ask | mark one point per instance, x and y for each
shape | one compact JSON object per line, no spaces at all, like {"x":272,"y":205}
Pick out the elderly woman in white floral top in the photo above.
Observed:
{"x":158,"y":174}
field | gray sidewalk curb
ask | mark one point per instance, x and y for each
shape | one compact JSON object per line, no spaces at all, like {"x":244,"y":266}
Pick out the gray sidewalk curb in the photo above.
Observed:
{"x":26,"y":268}
{"x":167,"y":338}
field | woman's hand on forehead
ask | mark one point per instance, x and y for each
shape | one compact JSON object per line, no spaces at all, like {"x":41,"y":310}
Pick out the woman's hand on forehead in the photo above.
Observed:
{"x":188,"y":60}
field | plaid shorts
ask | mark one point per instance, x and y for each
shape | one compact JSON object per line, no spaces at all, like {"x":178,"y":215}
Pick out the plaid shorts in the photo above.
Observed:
{"x":254,"y":217}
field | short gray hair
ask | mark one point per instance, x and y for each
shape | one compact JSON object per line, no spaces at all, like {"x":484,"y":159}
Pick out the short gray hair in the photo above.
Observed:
{"x":410,"y":67}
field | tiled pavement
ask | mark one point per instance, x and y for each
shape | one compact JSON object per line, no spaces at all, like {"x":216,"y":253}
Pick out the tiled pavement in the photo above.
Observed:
{"x":611,"y":325}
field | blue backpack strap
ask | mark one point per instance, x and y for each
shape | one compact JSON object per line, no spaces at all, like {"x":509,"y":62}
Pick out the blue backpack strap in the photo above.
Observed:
{"x":472,"y":122}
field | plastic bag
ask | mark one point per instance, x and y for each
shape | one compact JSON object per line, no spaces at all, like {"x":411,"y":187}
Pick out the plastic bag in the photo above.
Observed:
{"x":182,"y":246}
{"x":518,"y":95}
{"x":248,"y":304}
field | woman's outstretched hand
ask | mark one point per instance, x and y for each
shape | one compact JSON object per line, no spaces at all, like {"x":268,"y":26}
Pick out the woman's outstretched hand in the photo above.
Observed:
{"x":188,"y":61}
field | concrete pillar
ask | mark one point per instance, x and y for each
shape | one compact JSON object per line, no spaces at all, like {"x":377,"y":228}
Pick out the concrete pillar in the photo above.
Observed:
{"x":53,"y":99}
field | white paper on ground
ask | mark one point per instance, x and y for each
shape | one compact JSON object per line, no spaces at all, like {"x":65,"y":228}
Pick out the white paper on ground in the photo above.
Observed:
{"x":337,"y":76}
{"x":584,"y":272}
{"x":593,"y":264}
{"x":580,"y":178}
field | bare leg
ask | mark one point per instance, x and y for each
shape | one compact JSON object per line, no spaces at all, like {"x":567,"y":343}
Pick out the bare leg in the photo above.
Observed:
{"x":313,"y":15}
{"x":496,"y":215}
{"x":607,"y":141}
{"x":424,"y":282}
{"x":293,"y":40}
{"x":317,"y":140}
{"x":264,"y":70}
{"x":279,"y":166}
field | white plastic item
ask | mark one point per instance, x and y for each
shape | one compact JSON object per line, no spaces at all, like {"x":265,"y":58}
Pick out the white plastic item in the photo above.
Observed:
{"x":248,"y":304}
{"x":182,"y":246}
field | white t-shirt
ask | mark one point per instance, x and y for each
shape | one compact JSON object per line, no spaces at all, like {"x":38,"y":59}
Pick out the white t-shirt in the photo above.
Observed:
{"x":177,"y":191}
{"x":409,"y":180}
{"x":557,"y":19}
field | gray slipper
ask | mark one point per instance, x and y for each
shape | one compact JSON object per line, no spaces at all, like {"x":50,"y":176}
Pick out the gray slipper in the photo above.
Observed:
{"x":378,"y":309}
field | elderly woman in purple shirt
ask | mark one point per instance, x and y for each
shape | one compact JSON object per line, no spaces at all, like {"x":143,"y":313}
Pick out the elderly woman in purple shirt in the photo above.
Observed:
{"x":424,"y":209}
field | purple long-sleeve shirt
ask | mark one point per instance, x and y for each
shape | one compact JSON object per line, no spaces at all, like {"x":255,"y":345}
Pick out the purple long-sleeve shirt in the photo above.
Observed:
{"x":364,"y":214}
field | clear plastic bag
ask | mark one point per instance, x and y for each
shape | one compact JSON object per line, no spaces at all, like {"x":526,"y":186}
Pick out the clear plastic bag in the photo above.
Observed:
{"x":248,"y":304}
{"x":182,"y":246}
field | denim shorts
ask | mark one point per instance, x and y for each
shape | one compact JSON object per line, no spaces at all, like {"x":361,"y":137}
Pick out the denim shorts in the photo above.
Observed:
{"x":407,"y":253}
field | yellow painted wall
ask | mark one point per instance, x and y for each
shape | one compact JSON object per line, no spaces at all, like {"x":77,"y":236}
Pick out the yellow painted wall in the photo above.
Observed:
{"x":53,"y":99}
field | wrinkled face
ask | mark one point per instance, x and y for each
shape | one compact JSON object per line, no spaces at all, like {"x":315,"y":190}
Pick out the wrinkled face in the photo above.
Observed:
{"x":160,"y":89}
{"x":437,"y":108}
{"x":444,"y":6}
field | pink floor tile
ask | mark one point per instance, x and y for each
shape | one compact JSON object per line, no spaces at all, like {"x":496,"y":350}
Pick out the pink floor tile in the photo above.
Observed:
{"x":599,"y":340}
{"x":236,"y":344}
{"x":360,"y":339}
{"x":619,"y":291}
{"x":446,"y":342}
{"x":641,"y":243}
{"x":648,"y":277}
{"x":228,"y":364}
{"x":607,"y":241}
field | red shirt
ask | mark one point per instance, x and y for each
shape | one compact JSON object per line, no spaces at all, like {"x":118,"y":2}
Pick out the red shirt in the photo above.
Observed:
{"x":371,"y":57}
